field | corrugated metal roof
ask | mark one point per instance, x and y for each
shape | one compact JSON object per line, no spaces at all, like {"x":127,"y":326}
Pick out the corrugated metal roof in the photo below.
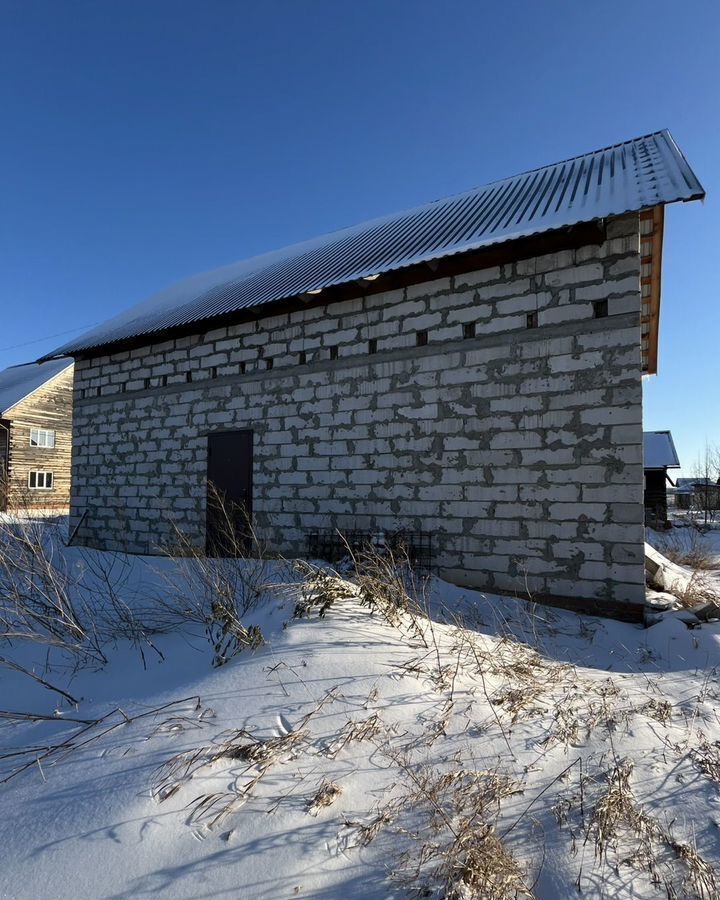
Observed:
{"x":635,"y":175}
{"x":659,"y":450}
{"x":19,"y":381}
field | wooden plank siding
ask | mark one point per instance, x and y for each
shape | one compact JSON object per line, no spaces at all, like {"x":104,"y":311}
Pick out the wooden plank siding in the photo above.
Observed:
{"x":49,"y":407}
{"x":4,"y":432}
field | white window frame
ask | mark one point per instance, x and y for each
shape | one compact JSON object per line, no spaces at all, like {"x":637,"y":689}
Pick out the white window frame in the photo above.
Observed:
{"x":42,"y":437}
{"x":44,"y":480}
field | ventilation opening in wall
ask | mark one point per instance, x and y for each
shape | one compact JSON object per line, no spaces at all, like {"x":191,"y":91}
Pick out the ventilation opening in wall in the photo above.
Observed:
{"x":372,"y":346}
{"x":188,"y":377}
{"x":268,"y":364}
{"x":532,"y":319}
{"x":164,"y":381}
{"x":333,"y":353}
{"x":213,"y":372}
{"x":146,"y":383}
{"x":243,"y":367}
{"x":302,"y":357}
{"x":98,"y":391}
{"x":600,"y":309}
{"x":469,"y":330}
{"x":421,"y":338}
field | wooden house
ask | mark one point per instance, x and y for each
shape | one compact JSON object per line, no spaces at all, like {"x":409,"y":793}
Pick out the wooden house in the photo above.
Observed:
{"x":36,"y":435}
{"x":659,"y":455}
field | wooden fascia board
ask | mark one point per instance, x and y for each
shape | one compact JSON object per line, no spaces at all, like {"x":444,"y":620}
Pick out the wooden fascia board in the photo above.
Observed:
{"x":656,"y":215}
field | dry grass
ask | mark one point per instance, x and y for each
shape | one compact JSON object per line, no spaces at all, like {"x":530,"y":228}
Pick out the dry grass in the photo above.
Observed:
{"x":706,"y":758}
{"x":255,"y":755}
{"x":660,"y":710}
{"x":70,"y":612}
{"x":686,"y":547}
{"x":38,"y":603}
{"x":700,"y":589}
{"x":619,"y":824}
{"x":326,"y":796}
{"x":448,"y":821}
{"x":382,"y":582}
{"x":355,"y":731}
{"x":514,"y":676}
{"x":364,"y":833}
{"x":258,"y":756}
{"x":17,"y":761}
{"x":218,"y":592}
{"x":319,"y":590}
{"x":589,"y":705}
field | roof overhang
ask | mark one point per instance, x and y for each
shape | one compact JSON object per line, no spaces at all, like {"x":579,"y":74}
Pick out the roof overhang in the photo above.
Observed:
{"x":569,"y":238}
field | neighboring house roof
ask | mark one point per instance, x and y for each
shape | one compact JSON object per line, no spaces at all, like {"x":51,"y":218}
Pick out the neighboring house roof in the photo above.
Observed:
{"x":659,"y":450}
{"x":696,"y":484}
{"x":18,"y":382}
{"x":635,"y":175}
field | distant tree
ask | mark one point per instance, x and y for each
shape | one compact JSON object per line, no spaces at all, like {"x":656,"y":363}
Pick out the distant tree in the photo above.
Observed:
{"x":706,"y":493}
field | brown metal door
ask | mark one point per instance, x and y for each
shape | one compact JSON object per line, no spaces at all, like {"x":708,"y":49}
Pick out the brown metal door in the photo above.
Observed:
{"x":229,"y":499}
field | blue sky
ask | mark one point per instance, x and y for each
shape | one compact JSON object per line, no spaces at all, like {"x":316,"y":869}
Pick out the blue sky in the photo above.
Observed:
{"x":146,"y":140}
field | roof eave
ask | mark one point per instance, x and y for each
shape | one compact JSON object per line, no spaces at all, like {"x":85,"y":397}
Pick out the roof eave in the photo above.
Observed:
{"x":440,"y":266}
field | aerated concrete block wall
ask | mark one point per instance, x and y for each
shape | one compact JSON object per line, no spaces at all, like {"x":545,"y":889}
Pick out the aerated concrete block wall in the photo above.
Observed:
{"x":517,"y":442}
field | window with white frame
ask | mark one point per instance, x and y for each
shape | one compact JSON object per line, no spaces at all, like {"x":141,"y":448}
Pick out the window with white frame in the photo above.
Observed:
{"x":40,"y":481}
{"x":42,"y":437}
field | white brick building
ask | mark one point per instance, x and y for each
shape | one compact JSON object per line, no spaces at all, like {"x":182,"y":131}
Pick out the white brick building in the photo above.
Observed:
{"x":470,"y":370}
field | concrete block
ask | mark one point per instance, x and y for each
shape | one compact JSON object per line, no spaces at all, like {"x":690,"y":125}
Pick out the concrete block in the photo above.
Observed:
{"x":574,"y":511}
{"x":438,"y":286}
{"x":577,"y":274}
{"x":481,"y":276}
{"x":557,"y":315}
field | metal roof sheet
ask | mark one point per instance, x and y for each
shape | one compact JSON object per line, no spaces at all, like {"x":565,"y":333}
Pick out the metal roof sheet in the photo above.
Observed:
{"x":18,"y":382}
{"x":634,"y":175}
{"x":659,"y":450}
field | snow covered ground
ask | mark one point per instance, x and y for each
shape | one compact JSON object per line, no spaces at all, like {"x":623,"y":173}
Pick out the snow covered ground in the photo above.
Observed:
{"x":525,"y":752}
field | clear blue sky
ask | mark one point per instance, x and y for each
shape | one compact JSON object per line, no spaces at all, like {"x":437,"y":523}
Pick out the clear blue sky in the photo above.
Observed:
{"x":145,"y":140}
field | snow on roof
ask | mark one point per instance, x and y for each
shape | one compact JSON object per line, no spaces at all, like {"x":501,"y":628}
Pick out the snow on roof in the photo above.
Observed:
{"x":638,"y":174}
{"x":19,"y":381}
{"x":659,"y":450}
